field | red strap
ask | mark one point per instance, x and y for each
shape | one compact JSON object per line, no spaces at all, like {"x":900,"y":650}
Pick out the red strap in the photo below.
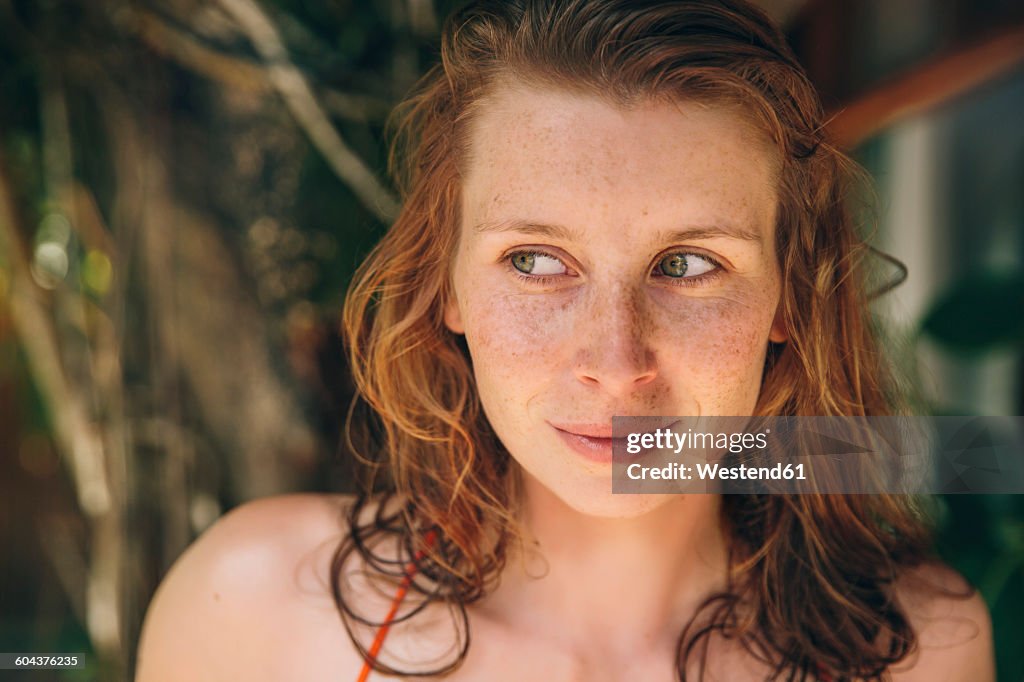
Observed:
{"x":403,"y":587}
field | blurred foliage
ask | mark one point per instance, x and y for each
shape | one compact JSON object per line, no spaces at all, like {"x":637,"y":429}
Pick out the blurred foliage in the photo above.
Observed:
{"x":174,"y":246}
{"x":980,"y":314}
{"x":983,"y":535}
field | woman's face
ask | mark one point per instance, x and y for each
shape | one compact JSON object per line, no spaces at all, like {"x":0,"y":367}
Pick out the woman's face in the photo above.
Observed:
{"x":611,"y":262}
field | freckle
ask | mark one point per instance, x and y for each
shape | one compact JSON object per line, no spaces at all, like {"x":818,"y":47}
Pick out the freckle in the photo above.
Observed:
{"x":216,"y":596}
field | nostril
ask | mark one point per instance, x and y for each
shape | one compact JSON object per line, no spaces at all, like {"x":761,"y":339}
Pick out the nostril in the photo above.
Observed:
{"x":646,"y":378}
{"x":616,"y":377}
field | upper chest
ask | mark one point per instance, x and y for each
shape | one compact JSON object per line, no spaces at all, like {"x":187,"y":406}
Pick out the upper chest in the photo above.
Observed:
{"x":314,"y":646}
{"x":299,"y":634}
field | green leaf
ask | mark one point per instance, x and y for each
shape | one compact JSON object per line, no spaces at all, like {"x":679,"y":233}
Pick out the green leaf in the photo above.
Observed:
{"x":979,"y":314}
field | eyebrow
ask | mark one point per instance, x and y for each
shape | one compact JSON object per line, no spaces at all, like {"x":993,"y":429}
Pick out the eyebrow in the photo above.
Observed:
{"x":725,"y":231}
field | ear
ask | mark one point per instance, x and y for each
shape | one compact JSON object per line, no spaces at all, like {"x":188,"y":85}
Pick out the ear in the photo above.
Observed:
{"x":452,"y":316}
{"x":778,"y":332}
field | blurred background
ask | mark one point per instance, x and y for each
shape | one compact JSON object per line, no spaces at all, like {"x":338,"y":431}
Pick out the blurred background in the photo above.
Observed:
{"x":186,"y":187}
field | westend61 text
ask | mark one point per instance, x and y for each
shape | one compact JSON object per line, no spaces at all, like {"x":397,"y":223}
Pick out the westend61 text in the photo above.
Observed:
{"x":711,"y":472}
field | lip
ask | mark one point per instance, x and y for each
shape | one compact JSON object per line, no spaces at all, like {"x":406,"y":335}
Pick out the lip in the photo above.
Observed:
{"x":598,"y":430}
{"x":593,"y":448}
{"x":594,"y":440}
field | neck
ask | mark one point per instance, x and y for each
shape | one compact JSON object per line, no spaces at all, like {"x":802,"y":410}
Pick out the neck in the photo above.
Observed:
{"x":628,"y":585}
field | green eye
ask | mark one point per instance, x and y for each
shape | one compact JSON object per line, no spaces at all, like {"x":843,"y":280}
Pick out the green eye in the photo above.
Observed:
{"x":524,"y":262}
{"x":673,"y":265}
{"x":537,"y":263}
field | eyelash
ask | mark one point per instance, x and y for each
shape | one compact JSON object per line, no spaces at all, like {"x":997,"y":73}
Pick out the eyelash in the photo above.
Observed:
{"x":699,"y":281}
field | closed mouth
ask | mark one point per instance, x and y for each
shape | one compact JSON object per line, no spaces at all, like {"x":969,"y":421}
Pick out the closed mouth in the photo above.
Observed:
{"x":603,"y":431}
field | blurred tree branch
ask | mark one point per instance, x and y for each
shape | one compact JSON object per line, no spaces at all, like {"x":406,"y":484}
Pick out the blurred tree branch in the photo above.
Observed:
{"x":187,"y":50}
{"x":173,"y":43}
{"x":75,"y":435}
{"x":79,"y":438}
{"x":293,"y":88}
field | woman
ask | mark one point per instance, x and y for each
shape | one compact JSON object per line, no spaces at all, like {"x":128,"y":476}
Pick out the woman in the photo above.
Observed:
{"x":610,"y":208}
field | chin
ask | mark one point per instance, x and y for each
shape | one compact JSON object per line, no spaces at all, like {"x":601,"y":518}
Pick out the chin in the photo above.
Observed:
{"x":618,"y":506}
{"x":595,"y":498}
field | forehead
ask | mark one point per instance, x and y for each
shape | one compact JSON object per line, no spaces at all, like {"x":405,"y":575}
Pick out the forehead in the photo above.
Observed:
{"x":564,"y":156}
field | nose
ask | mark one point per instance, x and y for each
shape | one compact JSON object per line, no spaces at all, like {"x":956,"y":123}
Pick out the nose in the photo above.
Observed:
{"x":615,"y":350}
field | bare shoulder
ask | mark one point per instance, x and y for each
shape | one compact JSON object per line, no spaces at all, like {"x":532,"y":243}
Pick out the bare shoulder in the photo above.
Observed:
{"x":221,"y":610}
{"x":952,"y":624}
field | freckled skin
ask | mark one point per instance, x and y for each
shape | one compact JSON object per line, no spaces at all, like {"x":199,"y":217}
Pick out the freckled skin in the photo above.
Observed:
{"x":609,"y":336}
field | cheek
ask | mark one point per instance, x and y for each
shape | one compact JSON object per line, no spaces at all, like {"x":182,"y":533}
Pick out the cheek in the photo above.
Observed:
{"x":723,"y":338}
{"x":732,"y":326}
{"x":517,"y":346}
{"x":713,"y":349}
{"x":510,"y":333}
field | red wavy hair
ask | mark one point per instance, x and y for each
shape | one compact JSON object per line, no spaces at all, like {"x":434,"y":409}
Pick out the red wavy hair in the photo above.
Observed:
{"x":814,"y":573}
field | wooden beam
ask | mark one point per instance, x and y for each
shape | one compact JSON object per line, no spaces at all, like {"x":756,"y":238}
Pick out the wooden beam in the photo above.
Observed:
{"x":928,"y":86}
